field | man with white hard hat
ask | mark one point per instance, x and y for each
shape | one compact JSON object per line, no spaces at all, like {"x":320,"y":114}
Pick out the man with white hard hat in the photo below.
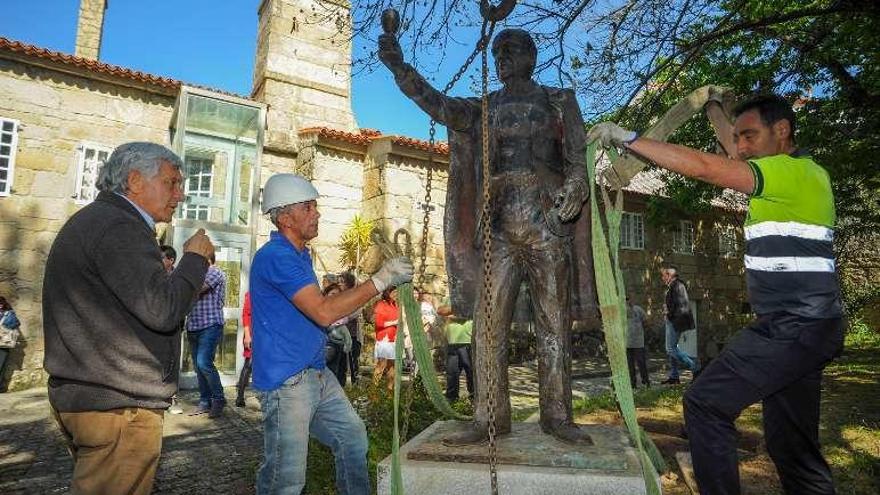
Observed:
{"x":300,"y":397}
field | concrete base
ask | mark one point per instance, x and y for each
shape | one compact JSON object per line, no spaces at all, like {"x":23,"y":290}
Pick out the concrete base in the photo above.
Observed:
{"x":529,"y":463}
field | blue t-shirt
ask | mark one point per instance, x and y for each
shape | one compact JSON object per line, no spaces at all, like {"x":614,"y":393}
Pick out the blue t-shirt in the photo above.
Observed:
{"x":285,"y":341}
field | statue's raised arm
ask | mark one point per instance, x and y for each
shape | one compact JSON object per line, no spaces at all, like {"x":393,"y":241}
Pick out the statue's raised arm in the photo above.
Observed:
{"x":455,"y":113}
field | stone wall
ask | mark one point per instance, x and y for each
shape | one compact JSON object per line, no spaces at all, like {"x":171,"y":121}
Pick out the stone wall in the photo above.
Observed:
{"x":715,"y":282}
{"x":57,"y":112}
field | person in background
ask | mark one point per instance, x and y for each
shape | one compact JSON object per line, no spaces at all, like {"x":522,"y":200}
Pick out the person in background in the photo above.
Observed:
{"x":458,"y":352}
{"x":169,"y":257}
{"x":111,"y":320}
{"x":355,"y":329}
{"x":9,"y":333}
{"x":635,"y":343}
{"x":386,"y":317}
{"x":679,"y":318}
{"x":204,"y":330}
{"x":245,"y":377}
{"x":338,"y":341}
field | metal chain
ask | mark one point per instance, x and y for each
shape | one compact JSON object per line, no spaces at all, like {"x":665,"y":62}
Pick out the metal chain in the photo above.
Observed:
{"x":487,"y":265}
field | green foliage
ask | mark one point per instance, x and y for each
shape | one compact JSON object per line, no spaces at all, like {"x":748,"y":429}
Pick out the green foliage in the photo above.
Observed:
{"x":828,"y":59}
{"x":355,"y":241}
{"x":861,"y":335}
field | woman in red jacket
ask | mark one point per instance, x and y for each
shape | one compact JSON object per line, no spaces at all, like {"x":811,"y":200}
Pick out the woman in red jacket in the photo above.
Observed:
{"x":386,"y":315}
{"x":245,"y":377}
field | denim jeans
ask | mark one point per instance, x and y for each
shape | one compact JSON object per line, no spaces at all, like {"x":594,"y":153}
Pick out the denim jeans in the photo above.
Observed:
{"x":203,"y":345}
{"x":311,"y":403}
{"x":675,"y":353}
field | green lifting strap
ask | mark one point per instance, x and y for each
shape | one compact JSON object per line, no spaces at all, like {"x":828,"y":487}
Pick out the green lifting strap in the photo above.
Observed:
{"x":612,"y":305}
{"x":412,"y":313}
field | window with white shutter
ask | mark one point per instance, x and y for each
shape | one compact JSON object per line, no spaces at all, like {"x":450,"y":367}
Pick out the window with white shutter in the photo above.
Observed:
{"x":90,"y":159}
{"x":8,"y":147}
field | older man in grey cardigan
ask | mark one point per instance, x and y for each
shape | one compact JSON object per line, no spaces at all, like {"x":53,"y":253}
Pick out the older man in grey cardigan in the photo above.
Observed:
{"x":111,"y":315}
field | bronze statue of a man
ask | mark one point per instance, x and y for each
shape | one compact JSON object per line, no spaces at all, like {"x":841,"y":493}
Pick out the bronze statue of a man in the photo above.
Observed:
{"x":538,"y":188}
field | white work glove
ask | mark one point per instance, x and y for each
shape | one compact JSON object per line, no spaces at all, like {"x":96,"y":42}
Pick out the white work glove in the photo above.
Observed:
{"x":611,"y":134}
{"x":394,"y":272}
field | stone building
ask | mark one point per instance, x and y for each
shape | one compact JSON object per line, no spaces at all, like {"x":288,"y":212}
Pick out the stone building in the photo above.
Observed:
{"x":61,"y":115}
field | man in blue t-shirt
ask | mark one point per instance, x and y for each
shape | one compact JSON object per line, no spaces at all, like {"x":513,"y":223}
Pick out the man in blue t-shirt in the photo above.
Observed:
{"x":300,"y":397}
{"x":792,"y":287}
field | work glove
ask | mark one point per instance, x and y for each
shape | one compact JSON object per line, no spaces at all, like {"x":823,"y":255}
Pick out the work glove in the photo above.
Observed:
{"x":393,"y":272}
{"x":611,"y":134}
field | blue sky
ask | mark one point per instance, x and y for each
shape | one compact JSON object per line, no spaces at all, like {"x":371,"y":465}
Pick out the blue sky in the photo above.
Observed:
{"x":206,"y":42}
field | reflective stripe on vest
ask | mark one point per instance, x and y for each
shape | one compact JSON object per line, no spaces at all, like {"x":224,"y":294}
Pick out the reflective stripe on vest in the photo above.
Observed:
{"x":789,"y":229}
{"x":789,"y":264}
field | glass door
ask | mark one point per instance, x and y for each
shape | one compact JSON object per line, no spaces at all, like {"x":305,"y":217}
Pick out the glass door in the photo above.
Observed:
{"x":220,"y":139}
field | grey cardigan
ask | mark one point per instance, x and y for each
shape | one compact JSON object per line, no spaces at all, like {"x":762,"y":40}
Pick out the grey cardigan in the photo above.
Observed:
{"x":111,"y":313}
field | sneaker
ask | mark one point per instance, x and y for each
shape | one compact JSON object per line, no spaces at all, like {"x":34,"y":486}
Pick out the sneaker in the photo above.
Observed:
{"x":175,"y":407}
{"x":239,"y":402}
{"x":216,"y":408}
{"x":670,"y":381}
{"x":201,"y":409}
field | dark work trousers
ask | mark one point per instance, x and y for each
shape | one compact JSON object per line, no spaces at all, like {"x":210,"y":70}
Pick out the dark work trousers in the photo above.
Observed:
{"x":777,"y":360}
{"x":243,"y":379}
{"x":337,"y":361}
{"x":458,"y":359}
{"x":636,"y":356}
{"x":354,"y":360}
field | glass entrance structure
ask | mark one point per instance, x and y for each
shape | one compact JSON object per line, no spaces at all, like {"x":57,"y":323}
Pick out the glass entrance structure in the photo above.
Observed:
{"x":220,"y":139}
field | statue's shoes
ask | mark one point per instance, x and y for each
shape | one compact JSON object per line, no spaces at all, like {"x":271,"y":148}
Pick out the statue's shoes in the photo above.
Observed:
{"x":472,"y":436}
{"x":569,"y":433}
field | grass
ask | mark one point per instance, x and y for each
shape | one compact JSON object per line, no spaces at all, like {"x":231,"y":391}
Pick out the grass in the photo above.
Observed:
{"x":849,"y":427}
{"x":849,"y":430}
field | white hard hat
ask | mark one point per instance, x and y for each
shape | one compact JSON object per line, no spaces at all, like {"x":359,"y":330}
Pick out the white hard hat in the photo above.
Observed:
{"x":287,"y":189}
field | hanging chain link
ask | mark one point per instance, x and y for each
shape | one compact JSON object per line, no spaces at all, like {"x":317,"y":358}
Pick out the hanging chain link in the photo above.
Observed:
{"x":485,"y":226}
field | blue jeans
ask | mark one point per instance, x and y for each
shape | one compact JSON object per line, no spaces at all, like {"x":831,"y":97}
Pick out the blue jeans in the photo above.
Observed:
{"x":202,"y":346}
{"x":675,"y":353}
{"x":311,"y":403}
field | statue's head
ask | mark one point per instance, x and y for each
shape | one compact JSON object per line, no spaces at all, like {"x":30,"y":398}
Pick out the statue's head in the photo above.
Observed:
{"x":515,"y":55}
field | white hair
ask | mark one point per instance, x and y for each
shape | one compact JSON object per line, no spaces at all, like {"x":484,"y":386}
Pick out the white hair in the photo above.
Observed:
{"x":141,"y":156}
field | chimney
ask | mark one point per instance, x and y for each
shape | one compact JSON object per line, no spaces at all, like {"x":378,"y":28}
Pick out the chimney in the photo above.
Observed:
{"x":89,"y":28}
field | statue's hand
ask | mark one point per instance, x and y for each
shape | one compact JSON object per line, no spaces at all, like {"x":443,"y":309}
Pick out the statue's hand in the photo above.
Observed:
{"x":390,"y":52}
{"x":570,"y":198}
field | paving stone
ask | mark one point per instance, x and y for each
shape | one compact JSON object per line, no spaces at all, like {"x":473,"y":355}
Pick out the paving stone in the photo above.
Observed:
{"x":199,"y":454}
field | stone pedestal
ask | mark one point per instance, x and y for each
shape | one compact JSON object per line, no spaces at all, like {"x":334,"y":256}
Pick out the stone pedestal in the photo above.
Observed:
{"x":529,"y":463}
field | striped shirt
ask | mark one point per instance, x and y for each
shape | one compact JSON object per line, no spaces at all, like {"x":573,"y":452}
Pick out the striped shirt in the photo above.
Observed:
{"x":789,"y":232}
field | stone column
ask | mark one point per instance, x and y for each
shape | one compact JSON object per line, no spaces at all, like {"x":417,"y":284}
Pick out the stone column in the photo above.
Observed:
{"x":303,"y":68}
{"x":89,"y":28}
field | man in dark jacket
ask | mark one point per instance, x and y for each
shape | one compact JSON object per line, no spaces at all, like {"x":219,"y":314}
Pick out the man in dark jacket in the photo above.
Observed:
{"x":111,"y":315}
{"x":678,"y":319}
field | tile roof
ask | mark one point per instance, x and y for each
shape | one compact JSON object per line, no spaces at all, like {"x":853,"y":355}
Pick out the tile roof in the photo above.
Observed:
{"x":97,"y":66}
{"x":366,"y":136}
